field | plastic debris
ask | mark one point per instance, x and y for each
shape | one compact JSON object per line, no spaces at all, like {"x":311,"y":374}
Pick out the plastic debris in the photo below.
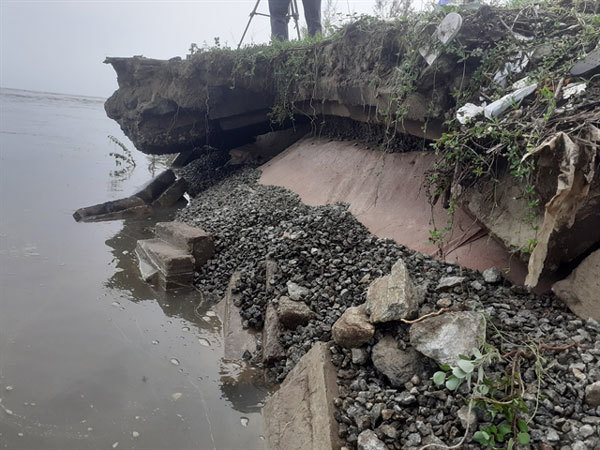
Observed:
{"x":498,"y":107}
{"x":573,"y":90}
{"x":516,"y":64}
{"x":445,"y":32}
{"x":468,"y":112}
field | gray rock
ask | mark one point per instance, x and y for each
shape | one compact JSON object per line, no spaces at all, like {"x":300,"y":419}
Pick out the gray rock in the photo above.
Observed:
{"x":392,"y":297}
{"x":397,"y":365}
{"x":291,"y":313}
{"x":413,"y":439}
{"x":492,"y":275}
{"x":476,"y":285}
{"x":296,"y":292}
{"x":359,"y":356}
{"x":586,"y":431}
{"x":368,"y":440}
{"x":445,"y":337}
{"x":447,"y":283}
{"x":406,"y":398}
{"x":552,"y":435}
{"x":353,"y":328}
{"x":389,"y":431}
{"x":592,"y":394}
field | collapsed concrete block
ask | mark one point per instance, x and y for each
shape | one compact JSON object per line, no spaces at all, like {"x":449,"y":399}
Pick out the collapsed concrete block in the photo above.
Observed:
{"x":236,"y":340}
{"x":299,"y":415}
{"x":292,"y":314}
{"x":173,"y":267}
{"x":197,"y":242}
{"x":272,"y":349}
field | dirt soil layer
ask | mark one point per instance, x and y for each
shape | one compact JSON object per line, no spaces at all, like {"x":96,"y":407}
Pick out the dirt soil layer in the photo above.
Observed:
{"x":331,"y":259}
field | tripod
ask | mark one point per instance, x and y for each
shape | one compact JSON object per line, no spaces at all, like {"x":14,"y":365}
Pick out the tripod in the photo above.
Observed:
{"x":292,"y":13}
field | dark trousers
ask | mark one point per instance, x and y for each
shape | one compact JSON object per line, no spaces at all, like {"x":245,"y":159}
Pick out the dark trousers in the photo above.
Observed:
{"x":278,"y":10}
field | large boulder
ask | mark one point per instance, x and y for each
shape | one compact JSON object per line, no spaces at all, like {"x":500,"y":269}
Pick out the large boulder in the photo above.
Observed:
{"x":392,"y":297}
{"x":399,"y":366}
{"x":581,"y":289}
{"x":299,"y":415}
{"x":353,"y":328}
{"x":445,"y":337}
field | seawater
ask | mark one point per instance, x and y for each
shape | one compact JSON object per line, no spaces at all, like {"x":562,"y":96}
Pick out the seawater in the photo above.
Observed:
{"x":90,"y":356}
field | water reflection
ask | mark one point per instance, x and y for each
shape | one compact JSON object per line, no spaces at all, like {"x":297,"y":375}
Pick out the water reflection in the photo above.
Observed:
{"x":242,"y":385}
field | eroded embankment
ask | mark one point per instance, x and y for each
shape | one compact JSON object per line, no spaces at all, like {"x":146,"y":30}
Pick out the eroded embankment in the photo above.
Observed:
{"x":323,"y":261}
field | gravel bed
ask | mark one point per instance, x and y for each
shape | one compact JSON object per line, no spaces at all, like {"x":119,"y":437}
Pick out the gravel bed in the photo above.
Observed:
{"x":325,"y":250}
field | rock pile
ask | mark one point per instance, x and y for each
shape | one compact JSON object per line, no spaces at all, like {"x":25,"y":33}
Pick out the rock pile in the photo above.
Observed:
{"x":322,"y":266}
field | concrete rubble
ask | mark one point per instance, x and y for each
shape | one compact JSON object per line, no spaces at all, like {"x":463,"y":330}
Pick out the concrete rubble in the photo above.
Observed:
{"x":299,"y":415}
{"x":171,"y":259}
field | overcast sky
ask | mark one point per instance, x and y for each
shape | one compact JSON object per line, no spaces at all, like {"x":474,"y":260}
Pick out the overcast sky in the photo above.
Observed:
{"x":59,"y":46}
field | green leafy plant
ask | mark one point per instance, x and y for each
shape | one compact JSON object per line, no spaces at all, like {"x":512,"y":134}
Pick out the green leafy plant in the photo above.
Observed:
{"x":499,"y":395}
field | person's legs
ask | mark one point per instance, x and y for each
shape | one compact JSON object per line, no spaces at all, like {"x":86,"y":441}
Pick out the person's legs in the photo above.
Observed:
{"x":312,"y":13}
{"x":278,"y":10}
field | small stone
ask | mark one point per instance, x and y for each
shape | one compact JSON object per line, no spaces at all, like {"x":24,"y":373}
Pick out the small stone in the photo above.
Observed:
{"x":413,"y":439}
{"x":389,"y":431}
{"x":174,"y":361}
{"x":406,"y":398}
{"x":477,"y":285}
{"x":296,"y":292}
{"x":592,"y":394}
{"x":447,"y":283}
{"x":135,"y":434}
{"x":368,"y":440}
{"x":359,"y":356}
{"x":386,"y":414}
{"x":586,"y":431}
{"x":444,"y":302}
{"x":291,"y":313}
{"x":492,"y":275}
{"x":552,"y":435}
{"x":244,"y":421}
{"x":353,"y":328}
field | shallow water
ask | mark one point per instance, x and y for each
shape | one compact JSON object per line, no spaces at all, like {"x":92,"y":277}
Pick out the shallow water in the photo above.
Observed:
{"x":90,"y":356}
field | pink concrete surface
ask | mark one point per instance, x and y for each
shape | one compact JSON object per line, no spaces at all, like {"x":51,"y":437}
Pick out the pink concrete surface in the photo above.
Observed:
{"x":385,"y":193}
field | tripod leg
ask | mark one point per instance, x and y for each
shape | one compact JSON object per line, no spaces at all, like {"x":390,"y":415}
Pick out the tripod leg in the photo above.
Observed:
{"x":248,"y":24}
{"x":295,"y":14}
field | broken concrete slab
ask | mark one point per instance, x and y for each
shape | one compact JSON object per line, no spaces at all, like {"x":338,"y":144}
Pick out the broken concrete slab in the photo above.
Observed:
{"x":392,"y":297}
{"x":236,"y":339}
{"x":581,"y":289}
{"x":446,"y":337}
{"x":300,"y":415}
{"x":399,"y":366}
{"x":193,"y":240}
{"x":272,"y":349}
{"x":168,"y":259}
{"x":353,"y":328}
{"x":166,"y":266}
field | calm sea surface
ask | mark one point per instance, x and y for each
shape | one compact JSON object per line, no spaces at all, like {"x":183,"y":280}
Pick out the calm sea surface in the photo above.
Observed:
{"x":90,"y":357}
